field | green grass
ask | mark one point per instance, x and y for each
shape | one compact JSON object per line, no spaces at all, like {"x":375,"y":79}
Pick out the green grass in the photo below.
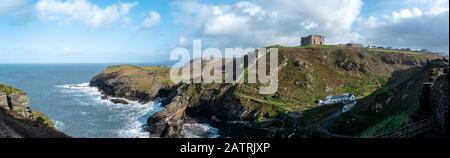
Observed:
{"x":284,"y":104}
{"x":275,"y":102}
{"x":360,"y":87}
{"x":41,"y":117}
{"x":146,"y":78}
{"x":391,"y":123}
{"x":8,"y":89}
{"x":403,"y":92}
{"x":381,"y":80}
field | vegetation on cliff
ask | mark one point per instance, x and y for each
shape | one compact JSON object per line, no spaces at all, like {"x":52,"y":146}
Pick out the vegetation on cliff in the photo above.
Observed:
{"x":8,"y":89}
{"x":309,"y":74}
{"x":390,"y":107}
{"x":17,"y":120}
{"x":305,"y":75}
{"x":133,"y":82}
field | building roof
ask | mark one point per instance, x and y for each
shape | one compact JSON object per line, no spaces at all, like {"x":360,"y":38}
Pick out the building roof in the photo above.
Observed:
{"x":312,"y":35}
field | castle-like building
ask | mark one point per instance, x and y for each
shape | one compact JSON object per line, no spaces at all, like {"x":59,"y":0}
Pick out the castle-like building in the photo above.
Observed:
{"x":313,"y":40}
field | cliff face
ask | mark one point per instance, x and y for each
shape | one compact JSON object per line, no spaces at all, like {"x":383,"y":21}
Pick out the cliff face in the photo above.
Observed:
{"x":16,"y":102}
{"x":17,"y":120}
{"x":199,"y":103}
{"x":132,"y":82}
{"x":434,"y":97}
{"x":408,"y":96}
{"x":238,"y":110}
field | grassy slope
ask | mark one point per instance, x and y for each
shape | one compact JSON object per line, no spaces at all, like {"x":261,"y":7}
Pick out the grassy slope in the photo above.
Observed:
{"x":39,"y":123}
{"x":28,"y":128}
{"x":322,"y":76}
{"x":37,"y":115}
{"x":319,"y":71}
{"x":143,"y":78}
{"x":403,"y":89}
{"x":8,"y":89}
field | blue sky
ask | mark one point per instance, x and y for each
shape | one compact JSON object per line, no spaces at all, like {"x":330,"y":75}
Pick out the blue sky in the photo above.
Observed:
{"x":135,"y":31}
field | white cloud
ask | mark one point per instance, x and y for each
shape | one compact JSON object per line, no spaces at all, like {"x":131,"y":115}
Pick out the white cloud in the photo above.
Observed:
{"x":419,"y":24}
{"x":266,"y":22}
{"x":406,"y":13}
{"x":83,"y":11}
{"x":226,"y":24}
{"x":151,"y":20}
{"x":11,"y":5}
{"x":415,"y":28}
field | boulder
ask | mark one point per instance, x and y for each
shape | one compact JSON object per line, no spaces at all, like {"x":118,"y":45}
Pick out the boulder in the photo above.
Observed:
{"x":119,"y":101}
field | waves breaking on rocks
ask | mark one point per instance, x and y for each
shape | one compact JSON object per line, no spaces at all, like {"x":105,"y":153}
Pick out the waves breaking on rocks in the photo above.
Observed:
{"x":126,"y":121}
{"x":132,"y":117}
{"x":197,"y":130}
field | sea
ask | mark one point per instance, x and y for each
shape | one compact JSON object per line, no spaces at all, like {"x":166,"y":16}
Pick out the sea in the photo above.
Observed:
{"x":62,"y":92}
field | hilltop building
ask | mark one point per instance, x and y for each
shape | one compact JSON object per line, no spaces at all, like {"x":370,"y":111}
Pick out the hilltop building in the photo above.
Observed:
{"x":313,"y":40}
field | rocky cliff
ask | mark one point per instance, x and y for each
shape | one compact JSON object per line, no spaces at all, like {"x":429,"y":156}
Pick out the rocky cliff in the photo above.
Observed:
{"x":434,"y":97}
{"x":132,"y":82}
{"x":238,"y":110}
{"x":17,"y":120}
{"x":408,"y":96}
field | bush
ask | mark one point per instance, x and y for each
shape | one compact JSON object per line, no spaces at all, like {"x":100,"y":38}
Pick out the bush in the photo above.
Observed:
{"x":40,"y":117}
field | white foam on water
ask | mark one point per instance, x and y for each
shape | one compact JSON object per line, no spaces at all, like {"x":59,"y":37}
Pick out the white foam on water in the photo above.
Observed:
{"x":198,"y":130}
{"x":138,"y":119}
{"x":58,"y":124}
{"x":135,"y":113}
{"x":82,"y":89}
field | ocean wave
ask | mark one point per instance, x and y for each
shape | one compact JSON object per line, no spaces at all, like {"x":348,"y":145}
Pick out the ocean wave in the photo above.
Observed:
{"x":82,"y":88}
{"x":198,"y":130}
{"x":138,"y":119}
{"x":135,"y":113}
{"x":58,"y":124}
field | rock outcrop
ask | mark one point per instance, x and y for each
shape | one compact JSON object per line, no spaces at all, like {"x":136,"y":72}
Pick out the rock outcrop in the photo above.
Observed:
{"x":238,"y":110}
{"x":119,"y":101}
{"x":216,"y":105}
{"x":196,"y":103}
{"x":132,"y":82}
{"x":15,"y":101}
{"x":17,"y":120}
{"x":434,"y":96}
{"x":395,"y":104}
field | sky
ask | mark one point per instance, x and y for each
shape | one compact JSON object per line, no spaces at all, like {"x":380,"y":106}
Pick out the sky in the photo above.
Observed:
{"x":145,"y":31}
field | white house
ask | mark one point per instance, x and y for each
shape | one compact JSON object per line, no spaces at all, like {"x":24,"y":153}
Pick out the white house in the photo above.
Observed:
{"x":337,"y":99}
